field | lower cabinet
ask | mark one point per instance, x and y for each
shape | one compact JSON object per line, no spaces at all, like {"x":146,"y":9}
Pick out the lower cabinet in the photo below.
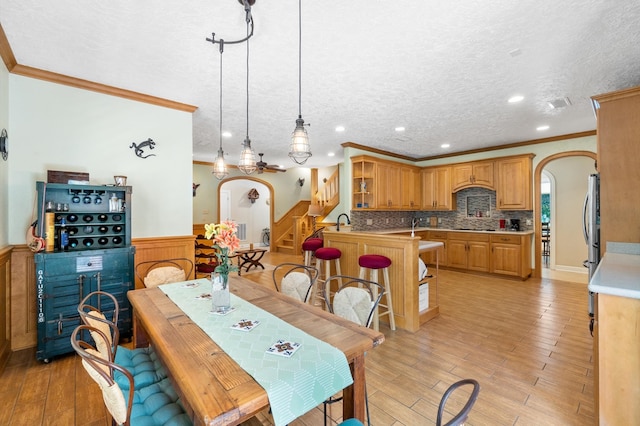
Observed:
{"x":468,"y":251}
{"x":511,"y":254}
{"x":64,"y":279}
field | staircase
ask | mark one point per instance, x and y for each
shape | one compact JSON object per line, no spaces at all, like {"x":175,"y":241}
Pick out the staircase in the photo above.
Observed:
{"x":296,"y":225}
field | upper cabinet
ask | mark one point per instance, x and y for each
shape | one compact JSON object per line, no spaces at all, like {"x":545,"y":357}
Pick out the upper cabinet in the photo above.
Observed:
{"x":410,"y":188}
{"x":513,"y":183}
{"x":364,"y":182}
{"x":388,"y":177}
{"x":436,"y":189}
{"x":618,"y":136}
{"x":478,"y":173}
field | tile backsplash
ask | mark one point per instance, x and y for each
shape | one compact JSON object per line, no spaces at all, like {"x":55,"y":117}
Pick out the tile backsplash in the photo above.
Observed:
{"x":475,"y":210}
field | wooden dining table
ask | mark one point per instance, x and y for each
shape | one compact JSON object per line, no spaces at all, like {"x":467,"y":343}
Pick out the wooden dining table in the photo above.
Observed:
{"x":210,"y":383}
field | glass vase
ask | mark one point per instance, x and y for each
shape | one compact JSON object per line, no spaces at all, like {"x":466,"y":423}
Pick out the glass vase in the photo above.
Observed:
{"x":220,"y":298}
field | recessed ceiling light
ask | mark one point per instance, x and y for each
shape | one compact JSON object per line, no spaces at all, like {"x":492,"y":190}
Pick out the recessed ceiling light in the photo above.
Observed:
{"x":331,"y":154}
{"x":399,"y":129}
{"x":340,"y":129}
{"x":445,"y":145}
{"x":542,"y":128}
{"x":226,"y":134}
{"x":515,"y":99}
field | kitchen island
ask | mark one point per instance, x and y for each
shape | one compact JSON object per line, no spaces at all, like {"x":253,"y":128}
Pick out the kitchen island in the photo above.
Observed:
{"x":616,"y":342}
{"x":403,"y":250}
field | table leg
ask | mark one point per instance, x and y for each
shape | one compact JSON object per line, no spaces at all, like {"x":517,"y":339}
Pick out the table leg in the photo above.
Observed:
{"x":353,"y":402}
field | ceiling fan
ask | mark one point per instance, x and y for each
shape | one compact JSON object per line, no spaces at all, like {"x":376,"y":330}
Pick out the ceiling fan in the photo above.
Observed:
{"x":262,"y":165}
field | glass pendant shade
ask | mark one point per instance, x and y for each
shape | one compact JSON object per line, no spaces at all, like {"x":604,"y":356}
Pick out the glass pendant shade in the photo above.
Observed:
{"x":247,"y":162}
{"x":299,"y":150}
{"x":219,"y":166}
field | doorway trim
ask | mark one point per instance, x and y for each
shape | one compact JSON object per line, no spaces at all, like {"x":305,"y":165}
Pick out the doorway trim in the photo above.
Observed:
{"x":537,"y":205}
{"x":263,"y":182}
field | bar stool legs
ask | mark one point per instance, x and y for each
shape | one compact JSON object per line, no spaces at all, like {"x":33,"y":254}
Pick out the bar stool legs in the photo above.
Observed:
{"x":309,"y":248}
{"x":372,"y":263}
{"x":324,"y":256}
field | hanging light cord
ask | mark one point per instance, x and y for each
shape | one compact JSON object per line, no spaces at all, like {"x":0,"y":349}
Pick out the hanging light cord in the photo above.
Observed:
{"x":247,"y":80}
{"x":300,"y":58}
{"x":220,"y":129}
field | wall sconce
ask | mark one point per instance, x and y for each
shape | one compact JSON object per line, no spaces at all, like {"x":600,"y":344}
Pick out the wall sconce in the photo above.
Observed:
{"x":301,"y":181}
{"x":253,"y":195}
{"x":4,"y":145}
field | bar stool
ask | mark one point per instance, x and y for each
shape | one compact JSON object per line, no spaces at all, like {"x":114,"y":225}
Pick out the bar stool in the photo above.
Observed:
{"x":371,"y":263}
{"x":324,"y":256}
{"x":309,"y":247}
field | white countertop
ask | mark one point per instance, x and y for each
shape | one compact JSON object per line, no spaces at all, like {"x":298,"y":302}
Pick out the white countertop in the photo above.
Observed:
{"x":618,"y":274}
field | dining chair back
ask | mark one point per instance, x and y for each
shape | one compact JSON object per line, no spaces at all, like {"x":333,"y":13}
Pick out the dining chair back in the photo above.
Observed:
{"x":461,"y":417}
{"x":295,"y":280}
{"x":155,"y":272}
{"x":99,"y":310}
{"x":156,"y":403}
{"x":356,"y":299}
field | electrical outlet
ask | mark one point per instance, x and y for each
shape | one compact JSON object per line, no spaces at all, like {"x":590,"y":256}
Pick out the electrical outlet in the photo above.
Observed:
{"x":529,"y":222}
{"x":386,"y":220}
{"x":402,"y":220}
{"x":369,"y":221}
{"x":439,"y":220}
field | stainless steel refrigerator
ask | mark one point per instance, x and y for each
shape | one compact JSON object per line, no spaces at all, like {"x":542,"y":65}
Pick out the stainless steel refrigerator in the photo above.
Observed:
{"x":591,"y":229}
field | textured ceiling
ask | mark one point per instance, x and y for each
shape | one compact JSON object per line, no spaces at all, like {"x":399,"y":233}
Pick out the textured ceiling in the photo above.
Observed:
{"x":443,"y":70}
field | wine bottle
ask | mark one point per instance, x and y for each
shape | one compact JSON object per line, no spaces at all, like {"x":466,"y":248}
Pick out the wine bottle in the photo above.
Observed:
{"x":63,"y":236}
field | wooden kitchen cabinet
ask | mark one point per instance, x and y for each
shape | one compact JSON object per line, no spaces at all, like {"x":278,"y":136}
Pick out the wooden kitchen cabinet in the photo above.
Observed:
{"x":410,"y":188}
{"x":511,"y":254}
{"x":441,"y":237}
{"x":364,"y":183}
{"x":468,"y":251}
{"x":436,"y":189}
{"x":618,"y":128}
{"x":513,"y":186}
{"x":388,"y":178}
{"x":474,"y":174}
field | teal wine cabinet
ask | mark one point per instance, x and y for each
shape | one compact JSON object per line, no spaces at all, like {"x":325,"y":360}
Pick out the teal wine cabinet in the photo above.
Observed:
{"x":87,"y":230}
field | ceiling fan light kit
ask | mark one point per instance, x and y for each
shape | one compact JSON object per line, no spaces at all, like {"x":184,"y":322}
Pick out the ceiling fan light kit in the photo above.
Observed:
{"x":262,"y":165}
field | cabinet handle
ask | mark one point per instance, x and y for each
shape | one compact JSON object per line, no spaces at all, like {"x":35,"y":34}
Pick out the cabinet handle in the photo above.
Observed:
{"x":80,"y":286}
{"x":60,"y":324}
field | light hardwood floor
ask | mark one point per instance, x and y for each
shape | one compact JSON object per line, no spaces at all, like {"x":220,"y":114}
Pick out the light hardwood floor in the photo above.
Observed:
{"x":527,"y":343}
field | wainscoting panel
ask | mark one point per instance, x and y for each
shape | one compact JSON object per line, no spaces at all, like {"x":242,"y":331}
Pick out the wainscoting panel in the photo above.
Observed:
{"x":5,"y":316}
{"x":163,"y":248}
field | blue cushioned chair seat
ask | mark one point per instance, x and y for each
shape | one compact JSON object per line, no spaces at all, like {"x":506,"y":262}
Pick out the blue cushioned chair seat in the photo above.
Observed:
{"x":157,"y":404}
{"x":351,"y":422}
{"x":142,"y":363}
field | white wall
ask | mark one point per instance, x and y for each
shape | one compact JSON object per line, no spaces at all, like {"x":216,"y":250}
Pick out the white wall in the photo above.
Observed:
{"x":4,"y":165}
{"x":570,"y":185}
{"x":287,"y":191}
{"x":255,"y":215}
{"x":56,"y":127}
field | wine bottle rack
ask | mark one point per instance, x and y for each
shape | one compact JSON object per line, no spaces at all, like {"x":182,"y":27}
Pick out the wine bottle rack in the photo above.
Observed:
{"x":86,"y":209}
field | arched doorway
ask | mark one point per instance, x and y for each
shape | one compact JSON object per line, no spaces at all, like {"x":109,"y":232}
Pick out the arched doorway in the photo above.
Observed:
{"x":537,"y":202}
{"x":256,"y":215}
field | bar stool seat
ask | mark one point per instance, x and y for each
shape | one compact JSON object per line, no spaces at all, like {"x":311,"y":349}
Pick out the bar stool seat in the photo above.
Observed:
{"x":324,"y":256}
{"x":372,"y":263}
{"x":309,"y":248}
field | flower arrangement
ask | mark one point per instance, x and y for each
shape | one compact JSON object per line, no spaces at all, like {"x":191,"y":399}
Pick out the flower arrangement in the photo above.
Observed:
{"x":225,"y":241}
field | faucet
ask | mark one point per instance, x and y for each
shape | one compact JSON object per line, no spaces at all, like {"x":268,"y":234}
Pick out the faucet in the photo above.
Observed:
{"x":338,"y":221}
{"x":414,"y":223}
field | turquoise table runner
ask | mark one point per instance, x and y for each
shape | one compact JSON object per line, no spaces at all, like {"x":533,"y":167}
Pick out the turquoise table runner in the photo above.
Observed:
{"x":295,"y":384}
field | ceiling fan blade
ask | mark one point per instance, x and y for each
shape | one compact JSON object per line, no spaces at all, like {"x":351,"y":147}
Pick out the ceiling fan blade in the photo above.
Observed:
{"x":275,"y":168}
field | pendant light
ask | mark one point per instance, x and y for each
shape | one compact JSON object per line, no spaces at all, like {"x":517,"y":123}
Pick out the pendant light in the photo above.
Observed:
{"x":247,"y":162}
{"x":299,"y":150}
{"x":219,"y":166}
